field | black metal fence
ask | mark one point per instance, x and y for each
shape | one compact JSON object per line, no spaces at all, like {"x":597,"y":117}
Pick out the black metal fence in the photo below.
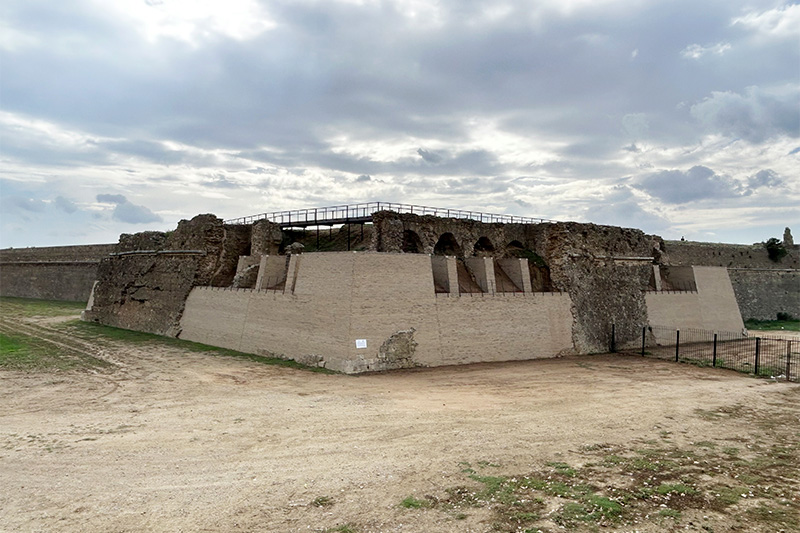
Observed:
{"x":763,"y":356}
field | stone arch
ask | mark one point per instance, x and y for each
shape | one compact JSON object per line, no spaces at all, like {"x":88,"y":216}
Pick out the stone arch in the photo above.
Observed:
{"x":515,"y":249}
{"x":483,"y":247}
{"x":447,"y":245}
{"x":412,"y":244}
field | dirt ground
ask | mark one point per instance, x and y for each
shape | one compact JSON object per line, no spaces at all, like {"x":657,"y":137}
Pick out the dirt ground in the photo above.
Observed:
{"x":168,"y":439}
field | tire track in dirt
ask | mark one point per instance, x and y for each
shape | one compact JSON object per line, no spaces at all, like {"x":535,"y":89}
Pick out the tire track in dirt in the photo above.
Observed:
{"x":111,"y":376}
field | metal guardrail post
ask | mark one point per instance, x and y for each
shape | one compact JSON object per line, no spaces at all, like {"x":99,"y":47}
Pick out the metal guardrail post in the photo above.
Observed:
{"x":758,"y":353}
{"x":677,"y":344}
{"x":714,"y":359}
{"x":644,"y":333}
{"x":789,"y":360}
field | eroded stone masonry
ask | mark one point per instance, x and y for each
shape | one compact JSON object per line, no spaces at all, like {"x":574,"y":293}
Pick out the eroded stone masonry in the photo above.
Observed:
{"x":424,"y":290}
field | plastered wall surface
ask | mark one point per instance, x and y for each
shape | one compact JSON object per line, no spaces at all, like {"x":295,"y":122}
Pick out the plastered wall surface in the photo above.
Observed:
{"x":387,"y":301}
{"x":712,"y":307}
{"x":679,"y":310}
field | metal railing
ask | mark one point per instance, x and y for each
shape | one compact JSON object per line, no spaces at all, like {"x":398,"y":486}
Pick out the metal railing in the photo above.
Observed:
{"x":341,"y":214}
{"x":763,"y":356}
{"x":675,"y":286}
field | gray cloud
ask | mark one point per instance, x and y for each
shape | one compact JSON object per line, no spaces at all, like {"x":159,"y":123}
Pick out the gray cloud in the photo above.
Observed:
{"x":430,"y":157}
{"x":64,"y":204}
{"x":16,"y":203}
{"x":765,"y":178}
{"x":620,"y":207}
{"x":127,"y":212}
{"x":112,"y":198}
{"x":221,"y":182}
{"x":555,"y":94}
{"x":678,"y":187}
{"x":756,"y":115}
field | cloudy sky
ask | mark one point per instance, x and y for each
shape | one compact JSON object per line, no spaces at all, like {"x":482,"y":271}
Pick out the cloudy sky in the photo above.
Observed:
{"x":681,"y":118}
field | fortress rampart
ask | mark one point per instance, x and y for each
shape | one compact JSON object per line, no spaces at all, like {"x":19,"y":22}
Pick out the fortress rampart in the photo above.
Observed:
{"x":763,"y":287}
{"x":51,"y":273}
{"x":420,"y":290}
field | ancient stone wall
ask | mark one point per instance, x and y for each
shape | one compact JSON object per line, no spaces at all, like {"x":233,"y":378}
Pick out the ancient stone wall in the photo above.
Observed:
{"x":763,"y":293}
{"x":603,"y":268}
{"x":88,"y":252}
{"x":51,"y":273}
{"x":145,"y":286}
{"x":728,"y":255}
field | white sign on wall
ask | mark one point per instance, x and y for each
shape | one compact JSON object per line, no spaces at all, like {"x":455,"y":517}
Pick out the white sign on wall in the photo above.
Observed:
{"x":361,"y":343}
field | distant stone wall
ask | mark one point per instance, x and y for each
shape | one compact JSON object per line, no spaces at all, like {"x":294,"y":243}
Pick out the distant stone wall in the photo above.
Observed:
{"x":763,"y":287}
{"x":51,"y":273}
{"x":763,"y":293}
{"x":727,"y":255}
{"x":88,"y":252}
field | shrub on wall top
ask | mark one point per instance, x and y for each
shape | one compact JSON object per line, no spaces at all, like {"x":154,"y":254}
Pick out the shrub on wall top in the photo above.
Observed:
{"x":775,"y":249}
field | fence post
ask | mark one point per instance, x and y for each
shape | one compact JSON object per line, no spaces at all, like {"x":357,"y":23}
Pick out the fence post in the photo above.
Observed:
{"x":613,"y":338}
{"x":788,"y":360}
{"x":714,"y":358}
{"x":677,"y":343}
{"x":758,"y":350}
{"x":644,"y":332}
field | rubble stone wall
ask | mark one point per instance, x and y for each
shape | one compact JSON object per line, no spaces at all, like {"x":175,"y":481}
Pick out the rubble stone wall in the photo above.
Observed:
{"x":144,"y":287}
{"x":728,"y":255}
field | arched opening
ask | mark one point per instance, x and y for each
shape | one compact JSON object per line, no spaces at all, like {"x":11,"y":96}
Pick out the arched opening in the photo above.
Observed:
{"x":483,"y":248}
{"x":447,"y":245}
{"x":412,"y":244}
{"x":515,"y":249}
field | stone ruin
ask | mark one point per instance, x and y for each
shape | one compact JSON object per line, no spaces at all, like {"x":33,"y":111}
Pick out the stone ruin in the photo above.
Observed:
{"x":427,"y":290}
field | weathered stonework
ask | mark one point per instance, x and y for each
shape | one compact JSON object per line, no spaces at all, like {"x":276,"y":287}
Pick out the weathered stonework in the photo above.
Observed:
{"x":145,"y":288}
{"x":592,"y":263}
{"x":398,"y":350}
{"x":422,"y":290}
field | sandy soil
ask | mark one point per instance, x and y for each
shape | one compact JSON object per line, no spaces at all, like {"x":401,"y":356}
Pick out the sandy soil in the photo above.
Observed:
{"x":170,"y":440}
{"x":781,"y":334}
